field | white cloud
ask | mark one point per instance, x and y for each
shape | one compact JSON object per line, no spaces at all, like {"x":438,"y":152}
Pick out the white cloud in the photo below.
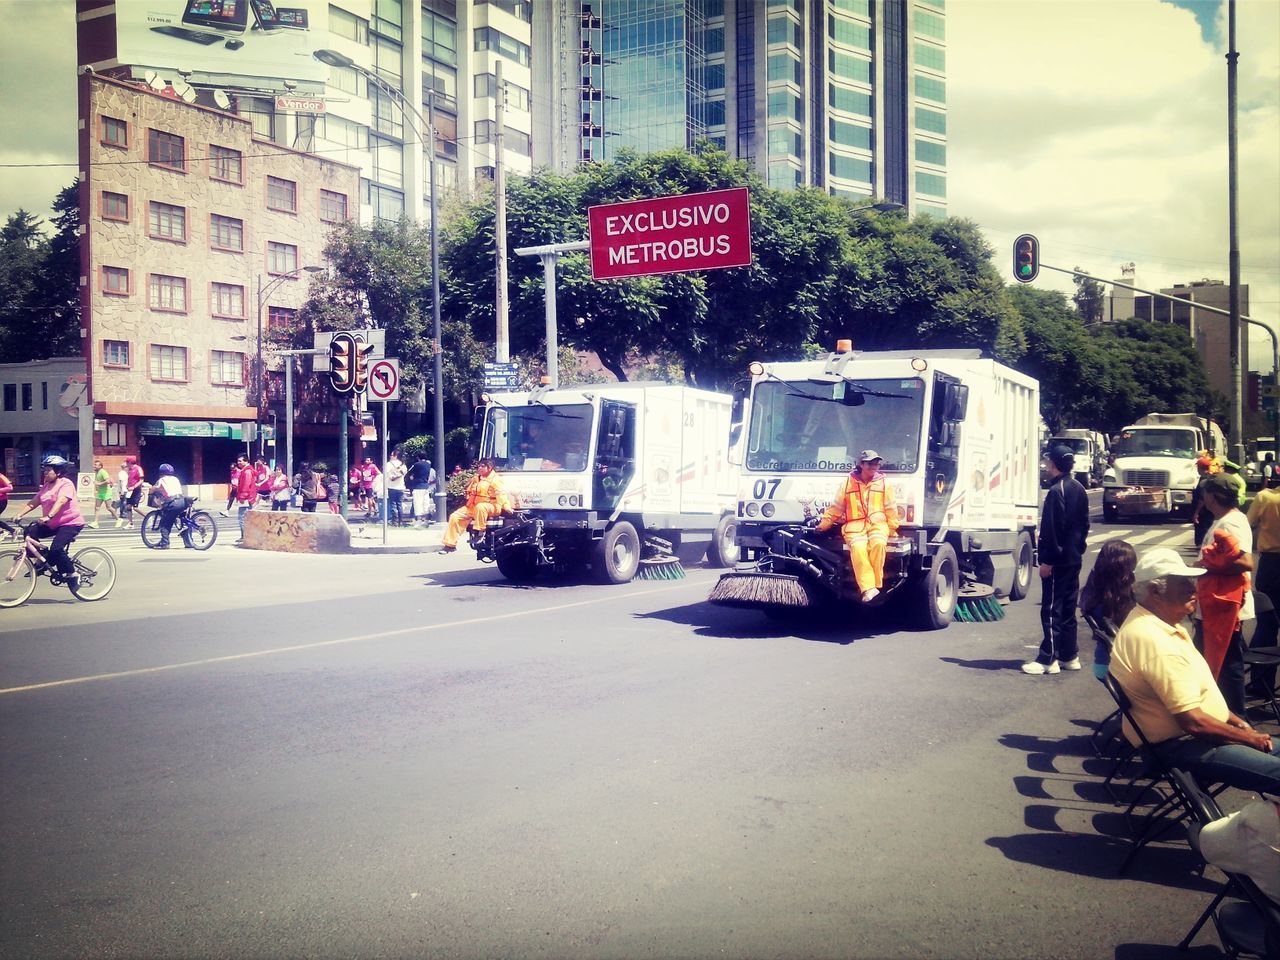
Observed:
{"x":1101,"y":127}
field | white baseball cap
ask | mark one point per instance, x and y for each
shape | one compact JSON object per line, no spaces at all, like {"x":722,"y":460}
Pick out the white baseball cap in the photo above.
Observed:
{"x":1163,"y":562}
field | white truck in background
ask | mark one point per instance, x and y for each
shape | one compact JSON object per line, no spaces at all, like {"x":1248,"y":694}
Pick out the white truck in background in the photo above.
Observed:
{"x":960,"y":439}
{"x":607,"y":475}
{"x":1154,"y":469}
{"x":1090,"y":449}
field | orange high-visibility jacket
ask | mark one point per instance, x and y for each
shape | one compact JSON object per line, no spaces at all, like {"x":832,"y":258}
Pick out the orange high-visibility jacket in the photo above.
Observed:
{"x":488,"y":490}
{"x":861,"y":506}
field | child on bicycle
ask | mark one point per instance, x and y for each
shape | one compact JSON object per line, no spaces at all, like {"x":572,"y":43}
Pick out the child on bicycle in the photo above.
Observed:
{"x":62,"y":520}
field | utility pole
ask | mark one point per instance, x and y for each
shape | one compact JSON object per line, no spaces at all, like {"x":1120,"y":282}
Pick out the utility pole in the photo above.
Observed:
{"x":1233,"y":255}
{"x":500,"y":219}
{"x":442,"y":495}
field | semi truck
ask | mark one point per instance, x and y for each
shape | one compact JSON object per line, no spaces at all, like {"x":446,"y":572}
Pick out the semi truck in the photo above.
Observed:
{"x":959,"y":435}
{"x":609,"y":476}
{"x":1154,"y":469}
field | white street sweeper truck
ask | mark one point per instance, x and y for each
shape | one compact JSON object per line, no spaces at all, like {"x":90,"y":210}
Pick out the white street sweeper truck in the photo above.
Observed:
{"x":624,"y":478}
{"x":959,"y":438}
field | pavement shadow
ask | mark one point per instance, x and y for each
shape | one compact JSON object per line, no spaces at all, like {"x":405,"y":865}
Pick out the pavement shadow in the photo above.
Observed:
{"x":1099,"y":856}
{"x":1062,"y":746}
{"x":984,"y":664}
{"x":1165,"y":951}
{"x":712,"y":620}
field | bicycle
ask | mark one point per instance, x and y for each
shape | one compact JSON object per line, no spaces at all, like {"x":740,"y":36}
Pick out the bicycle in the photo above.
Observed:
{"x":93,"y":566}
{"x":199,"y":525}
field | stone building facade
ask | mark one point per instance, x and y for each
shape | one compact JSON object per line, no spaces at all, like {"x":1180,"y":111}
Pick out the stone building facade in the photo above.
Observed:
{"x":197,"y":242}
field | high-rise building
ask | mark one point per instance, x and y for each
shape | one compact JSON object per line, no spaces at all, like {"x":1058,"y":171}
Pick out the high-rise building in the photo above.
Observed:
{"x":282,"y":74}
{"x":845,"y":95}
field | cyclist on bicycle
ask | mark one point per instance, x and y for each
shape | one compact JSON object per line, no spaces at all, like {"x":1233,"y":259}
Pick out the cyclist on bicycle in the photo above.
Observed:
{"x":60,"y":510}
{"x":168,"y":490}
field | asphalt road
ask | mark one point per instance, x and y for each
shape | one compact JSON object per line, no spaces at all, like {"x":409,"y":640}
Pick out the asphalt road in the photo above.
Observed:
{"x":258,"y":755}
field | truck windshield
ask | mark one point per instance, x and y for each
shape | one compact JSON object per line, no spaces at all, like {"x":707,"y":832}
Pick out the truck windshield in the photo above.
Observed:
{"x":804,"y":426}
{"x":1157,"y":443}
{"x":538,"y":437}
{"x":1074,"y":444}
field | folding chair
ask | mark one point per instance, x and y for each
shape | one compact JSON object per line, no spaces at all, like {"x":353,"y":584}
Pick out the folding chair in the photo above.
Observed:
{"x":1180,"y":796}
{"x":1248,"y":925}
{"x":1104,"y":633}
{"x":1262,"y":663}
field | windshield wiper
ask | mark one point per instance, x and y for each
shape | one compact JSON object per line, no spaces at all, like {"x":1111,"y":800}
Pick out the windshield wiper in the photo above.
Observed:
{"x":867,"y":391}
{"x":556,"y":413}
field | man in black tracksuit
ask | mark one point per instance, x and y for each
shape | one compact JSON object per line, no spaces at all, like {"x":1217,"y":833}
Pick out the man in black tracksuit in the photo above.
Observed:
{"x":1064,"y":526}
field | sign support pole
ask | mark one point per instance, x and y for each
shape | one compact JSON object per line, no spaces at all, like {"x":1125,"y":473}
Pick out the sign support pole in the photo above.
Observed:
{"x":386,"y":492}
{"x":550,"y":254}
{"x":343,"y":468}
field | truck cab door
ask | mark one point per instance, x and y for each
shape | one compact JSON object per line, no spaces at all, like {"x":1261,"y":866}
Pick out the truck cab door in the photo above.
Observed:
{"x":615,"y":460}
{"x":942,"y":454}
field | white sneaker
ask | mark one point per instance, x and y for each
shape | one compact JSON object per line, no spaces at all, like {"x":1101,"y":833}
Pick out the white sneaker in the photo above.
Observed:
{"x":1035,"y":668}
{"x":869,"y":595}
{"x":223,"y":513}
{"x":1072,"y":664}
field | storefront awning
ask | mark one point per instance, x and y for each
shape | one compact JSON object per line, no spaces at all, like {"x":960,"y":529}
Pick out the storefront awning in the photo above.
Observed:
{"x":189,"y":428}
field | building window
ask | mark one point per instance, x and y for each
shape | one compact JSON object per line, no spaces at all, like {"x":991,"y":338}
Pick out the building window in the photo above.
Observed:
{"x":488,"y":38}
{"x":115,"y":353}
{"x":167,"y":293}
{"x":226,"y":164}
{"x":785,"y":142}
{"x":850,"y":168}
{"x":786,"y":66}
{"x":439,"y":38}
{"x":485,"y":130}
{"x":115,"y":206}
{"x":931,"y":120}
{"x":226,"y":367}
{"x":166,"y":150}
{"x":860,"y":7}
{"x":850,"y":101}
{"x":931,"y":184}
{"x":281,"y":322}
{"x":44,"y":395}
{"x":848,"y":66}
{"x":927,"y":151}
{"x":226,"y":233}
{"x":167,"y":222}
{"x":281,"y":257}
{"x":520,"y":9}
{"x":26,"y":396}
{"x":930,"y":25}
{"x":783,"y":29}
{"x":115,"y":435}
{"x":115,"y":280}
{"x":388,"y":161}
{"x":387,"y":204}
{"x":282,"y":195}
{"x":486,"y":85}
{"x":348,"y":25}
{"x":930,"y":57}
{"x":333,"y":206}
{"x":931,"y":88}
{"x":849,"y":33}
{"x":226,"y":301}
{"x":168,"y":363}
{"x":114,"y":133}
{"x":10,"y":397}
{"x":849,"y":134}
{"x":388,"y":15}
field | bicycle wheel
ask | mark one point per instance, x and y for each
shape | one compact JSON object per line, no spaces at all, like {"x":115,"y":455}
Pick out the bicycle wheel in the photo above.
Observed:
{"x":17,"y":591}
{"x":97,"y":573}
{"x":151,"y":529}
{"x":203,"y":530}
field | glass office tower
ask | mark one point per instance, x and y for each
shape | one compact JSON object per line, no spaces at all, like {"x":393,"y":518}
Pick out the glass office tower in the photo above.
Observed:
{"x":846,"y":95}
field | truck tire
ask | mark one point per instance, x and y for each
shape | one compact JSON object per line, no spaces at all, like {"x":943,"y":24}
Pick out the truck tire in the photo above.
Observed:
{"x":723,"y":549}
{"x":517,"y":564}
{"x":1023,"y":566}
{"x":617,"y":554}
{"x":939,"y":588}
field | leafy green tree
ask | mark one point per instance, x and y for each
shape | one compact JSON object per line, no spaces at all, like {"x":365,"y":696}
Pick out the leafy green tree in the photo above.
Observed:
{"x":1075,"y":382}
{"x":1088,"y":299}
{"x":23,"y":249}
{"x":1153,"y":368}
{"x":40,"y":283}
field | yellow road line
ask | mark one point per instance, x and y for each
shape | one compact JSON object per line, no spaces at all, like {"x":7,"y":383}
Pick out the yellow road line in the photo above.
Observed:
{"x":360,"y":638}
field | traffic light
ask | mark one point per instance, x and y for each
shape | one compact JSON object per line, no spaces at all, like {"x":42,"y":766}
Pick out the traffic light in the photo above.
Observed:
{"x":1026,"y":258}
{"x":342,"y":362}
{"x":362,"y":366}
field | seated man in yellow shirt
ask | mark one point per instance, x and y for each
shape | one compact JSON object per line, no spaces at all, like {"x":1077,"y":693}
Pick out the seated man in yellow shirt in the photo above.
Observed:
{"x":1176,"y":701}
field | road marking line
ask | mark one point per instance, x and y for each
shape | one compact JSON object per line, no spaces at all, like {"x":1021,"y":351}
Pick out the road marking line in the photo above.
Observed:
{"x":360,"y":638}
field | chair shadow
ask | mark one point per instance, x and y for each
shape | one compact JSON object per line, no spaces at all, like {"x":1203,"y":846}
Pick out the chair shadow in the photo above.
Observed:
{"x":984,"y":664}
{"x":1161,"y":951}
{"x":1099,"y":856}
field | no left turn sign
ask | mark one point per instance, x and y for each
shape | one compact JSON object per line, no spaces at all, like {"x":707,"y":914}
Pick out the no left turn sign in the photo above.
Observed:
{"x":384,"y":380}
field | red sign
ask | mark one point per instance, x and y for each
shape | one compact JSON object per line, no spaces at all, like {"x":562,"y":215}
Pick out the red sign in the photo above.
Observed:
{"x":697,"y":231}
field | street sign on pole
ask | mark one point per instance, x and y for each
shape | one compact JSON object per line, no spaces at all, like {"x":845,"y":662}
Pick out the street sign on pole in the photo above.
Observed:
{"x":696,"y":231}
{"x":502,"y":376}
{"x":384,"y":380}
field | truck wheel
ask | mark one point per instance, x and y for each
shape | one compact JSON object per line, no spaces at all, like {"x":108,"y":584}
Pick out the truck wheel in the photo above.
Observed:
{"x":1023,"y":567}
{"x":723,"y":549}
{"x":617,"y":554}
{"x":939,"y":589}
{"x":517,"y":565}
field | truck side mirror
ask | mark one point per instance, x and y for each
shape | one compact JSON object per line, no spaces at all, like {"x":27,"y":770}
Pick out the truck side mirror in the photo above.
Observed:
{"x":957,"y":402}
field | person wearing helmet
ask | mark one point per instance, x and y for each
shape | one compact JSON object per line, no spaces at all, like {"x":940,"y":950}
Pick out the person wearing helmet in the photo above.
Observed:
{"x":62,"y":520}
{"x":168,"y":490}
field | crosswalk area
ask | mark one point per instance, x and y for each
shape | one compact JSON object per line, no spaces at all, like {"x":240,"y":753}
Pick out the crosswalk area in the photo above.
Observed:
{"x":1143,"y":537}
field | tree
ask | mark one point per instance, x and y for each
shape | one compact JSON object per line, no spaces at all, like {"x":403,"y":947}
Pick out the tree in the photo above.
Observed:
{"x":1088,"y":299}
{"x":40,"y":283}
{"x":1075,"y":382}
{"x":22,"y":253}
{"x":1153,"y":368}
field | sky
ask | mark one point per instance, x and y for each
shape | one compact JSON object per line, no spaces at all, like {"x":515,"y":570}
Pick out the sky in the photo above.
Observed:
{"x":1098,"y":125}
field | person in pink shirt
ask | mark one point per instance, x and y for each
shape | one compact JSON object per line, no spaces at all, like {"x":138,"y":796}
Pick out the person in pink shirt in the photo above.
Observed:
{"x":6,"y":488}
{"x":246,"y":492}
{"x":62,"y":520}
{"x":231,"y":488}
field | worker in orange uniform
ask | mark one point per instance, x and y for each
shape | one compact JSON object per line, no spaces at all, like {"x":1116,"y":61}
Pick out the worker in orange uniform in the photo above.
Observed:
{"x":864,"y":504}
{"x":485,"y":498}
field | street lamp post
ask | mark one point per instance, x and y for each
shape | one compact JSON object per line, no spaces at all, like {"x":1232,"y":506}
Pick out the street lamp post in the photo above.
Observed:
{"x":426,"y":133}
{"x":259,"y":376}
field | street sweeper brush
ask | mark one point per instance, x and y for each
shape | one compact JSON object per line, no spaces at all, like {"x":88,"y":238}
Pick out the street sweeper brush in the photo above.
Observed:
{"x":977,"y":603}
{"x":760,"y":589}
{"x":661,"y":568}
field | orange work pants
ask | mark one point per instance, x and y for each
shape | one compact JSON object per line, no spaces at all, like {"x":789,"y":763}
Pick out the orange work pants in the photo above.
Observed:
{"x":866,"y":553}
{"x":461,"y":518}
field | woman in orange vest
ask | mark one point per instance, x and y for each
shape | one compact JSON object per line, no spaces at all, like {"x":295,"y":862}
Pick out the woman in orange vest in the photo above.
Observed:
{"x":864,"y":504}
{"x":485,"y":498}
